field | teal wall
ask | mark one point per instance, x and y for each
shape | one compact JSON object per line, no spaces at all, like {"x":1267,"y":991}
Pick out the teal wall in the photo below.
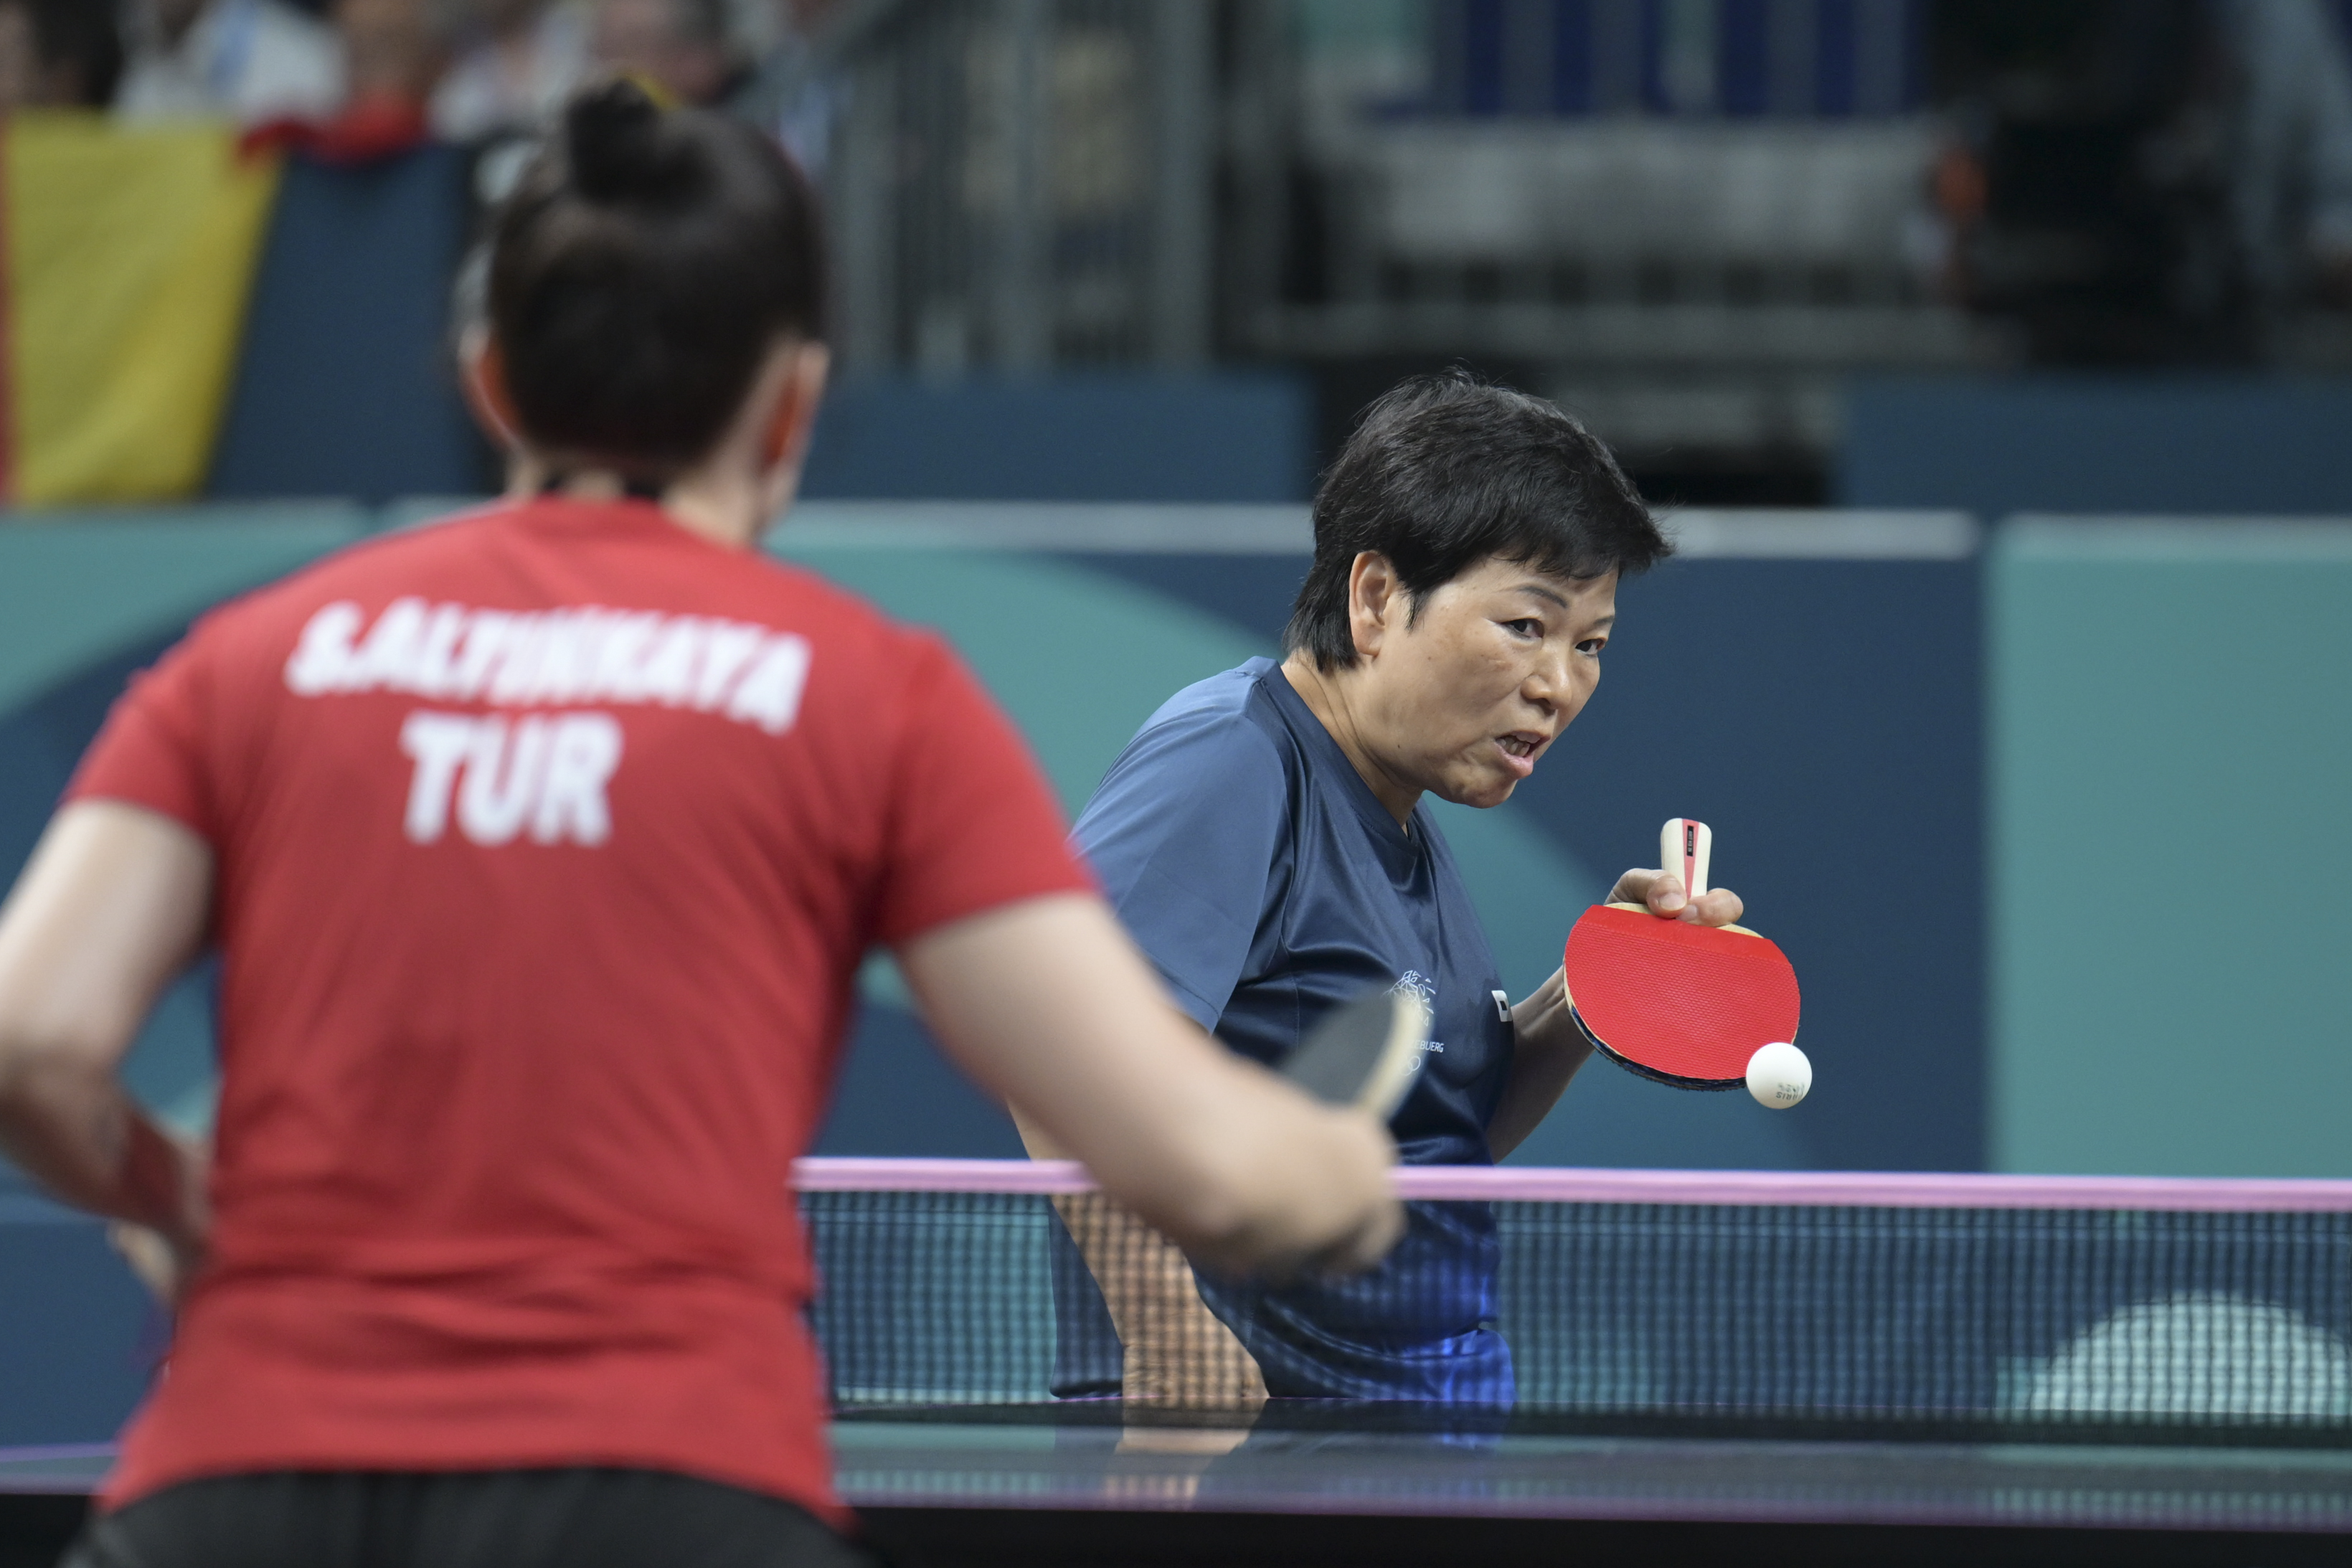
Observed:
{"x":1081,"y":646}
{"x":2168,"y":746}
{"x":2170,"y":758}
{"x":2168,"y":754}
{"x":76,"y":587}
{"x":1804,"y":683}
{"x":85,"y":598}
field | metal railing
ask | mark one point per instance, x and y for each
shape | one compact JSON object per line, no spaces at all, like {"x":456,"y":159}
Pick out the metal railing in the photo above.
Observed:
{"x":1024,"y":183}
{"x":1021,"y":186}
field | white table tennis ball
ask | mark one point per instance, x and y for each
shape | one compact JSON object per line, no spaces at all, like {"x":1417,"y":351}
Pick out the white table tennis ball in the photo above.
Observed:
{"x":1778,"y":1075}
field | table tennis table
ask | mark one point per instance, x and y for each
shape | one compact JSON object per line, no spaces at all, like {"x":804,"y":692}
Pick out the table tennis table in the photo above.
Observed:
{"x":955,"y":1491}
{"x":1756,"y":1367}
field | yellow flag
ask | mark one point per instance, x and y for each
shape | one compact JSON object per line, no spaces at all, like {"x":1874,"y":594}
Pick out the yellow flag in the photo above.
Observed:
{"x":129,"y":255}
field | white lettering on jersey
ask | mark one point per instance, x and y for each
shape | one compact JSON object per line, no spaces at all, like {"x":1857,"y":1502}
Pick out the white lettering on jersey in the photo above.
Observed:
{"x":750,"y":674}
{"x":621,"y":656}
{"x":581,"y":758}
{"x":324,"y":653}
{"x":567,"y":658}
{"x":666,"y":677}
{"x":726,"y":649}
{"x":518,"y":668}
{"x":437,"y":742}
{"x":504,"y":774}
{"x":487,"y":633}
{"x":770,"y":695}
{"x":388,"y":658}
{"x":435,"y":671}
{"x":546,"y":771}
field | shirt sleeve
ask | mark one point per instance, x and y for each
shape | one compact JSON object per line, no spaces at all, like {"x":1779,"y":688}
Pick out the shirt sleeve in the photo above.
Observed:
{"x":972,"y":823}
{"x":1184,"y":834}
{"x":150,"y":750}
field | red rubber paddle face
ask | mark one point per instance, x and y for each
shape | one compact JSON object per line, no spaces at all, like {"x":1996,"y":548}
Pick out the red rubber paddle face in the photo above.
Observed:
{"x":1684,"y":1004}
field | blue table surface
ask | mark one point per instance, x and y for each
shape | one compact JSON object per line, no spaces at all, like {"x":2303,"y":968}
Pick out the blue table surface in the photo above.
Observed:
{"x":947,"y":1464}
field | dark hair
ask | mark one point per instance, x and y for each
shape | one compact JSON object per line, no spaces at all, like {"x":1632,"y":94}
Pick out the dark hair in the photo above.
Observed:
{"x":1446,"y":471}
{"x":83,"y":35}
{"x":639,"y":275}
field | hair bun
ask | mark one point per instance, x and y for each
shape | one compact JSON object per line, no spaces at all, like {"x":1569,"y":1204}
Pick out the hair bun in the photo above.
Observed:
{"x":618,"y":152}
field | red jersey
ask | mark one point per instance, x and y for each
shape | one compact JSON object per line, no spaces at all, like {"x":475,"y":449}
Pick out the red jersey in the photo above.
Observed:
{"x":549,"y":841}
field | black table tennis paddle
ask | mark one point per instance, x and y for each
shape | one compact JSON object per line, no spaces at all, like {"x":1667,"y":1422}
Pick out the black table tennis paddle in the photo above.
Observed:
{"x":1363,"y":1052}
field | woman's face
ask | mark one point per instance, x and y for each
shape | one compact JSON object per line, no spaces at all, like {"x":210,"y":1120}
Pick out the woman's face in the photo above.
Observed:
{"x":1461,"y":699}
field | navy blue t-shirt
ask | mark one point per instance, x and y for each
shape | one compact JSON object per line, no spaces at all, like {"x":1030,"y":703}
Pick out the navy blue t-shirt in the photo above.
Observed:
{"x":1266,"y":882}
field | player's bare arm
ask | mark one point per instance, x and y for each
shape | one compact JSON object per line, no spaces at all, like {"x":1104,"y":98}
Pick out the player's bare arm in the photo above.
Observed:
{"x":1048,"y":1004}
{"x":110,"y":907}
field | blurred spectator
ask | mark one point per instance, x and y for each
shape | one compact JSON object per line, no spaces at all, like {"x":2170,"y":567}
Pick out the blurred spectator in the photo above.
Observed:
{"x":682,"y":47}
{"x":2145,"y":181}
{"x":789,"y":91}
{"x":2104,"y":223}
{"x":393,"y":55}
{"x":394,"y":49}
{"x":2291,"y":188}
{"x":518,"y":62}
{"x":58,"y":54}
{"x":253,"y":60}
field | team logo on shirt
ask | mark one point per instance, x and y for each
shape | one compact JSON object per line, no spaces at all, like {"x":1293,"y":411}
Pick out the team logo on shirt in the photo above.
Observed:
{"x":541,"y":775}
{"x":1422,"y":986}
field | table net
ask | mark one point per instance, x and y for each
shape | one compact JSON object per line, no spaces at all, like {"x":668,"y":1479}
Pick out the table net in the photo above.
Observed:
{"x":1628,"y":1301}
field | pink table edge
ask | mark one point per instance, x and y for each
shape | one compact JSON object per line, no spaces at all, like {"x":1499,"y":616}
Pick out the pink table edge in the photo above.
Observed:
{"x":1842,"y":1189}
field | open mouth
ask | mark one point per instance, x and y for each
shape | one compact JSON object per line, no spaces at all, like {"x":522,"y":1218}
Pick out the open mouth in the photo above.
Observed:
{"x":1519,"y":749}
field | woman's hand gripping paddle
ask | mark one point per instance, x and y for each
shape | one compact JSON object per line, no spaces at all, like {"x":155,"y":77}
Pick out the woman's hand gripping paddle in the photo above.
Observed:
{"x":1688,"y":1004}
{"x":1363,"y":1054}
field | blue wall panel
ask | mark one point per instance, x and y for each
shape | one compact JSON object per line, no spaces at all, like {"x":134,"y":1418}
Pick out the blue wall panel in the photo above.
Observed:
{"x":1073,"y":439}
{"x":1825,"y":717}
{"x":2215,"y":445}
{"x":345,"y":385}
{"x":78,"y":1337}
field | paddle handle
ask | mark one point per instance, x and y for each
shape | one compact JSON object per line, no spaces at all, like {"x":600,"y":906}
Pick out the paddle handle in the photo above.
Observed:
{"x":1684,"y":847}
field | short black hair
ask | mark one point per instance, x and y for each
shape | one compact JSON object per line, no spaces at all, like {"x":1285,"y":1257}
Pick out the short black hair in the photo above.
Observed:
{"x":645,"y":266}
{"x":84,"y":36}
{"x":1445,"y":471}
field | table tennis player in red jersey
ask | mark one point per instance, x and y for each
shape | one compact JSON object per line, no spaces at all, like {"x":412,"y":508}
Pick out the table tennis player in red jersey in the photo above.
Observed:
{"x":541,"y":847}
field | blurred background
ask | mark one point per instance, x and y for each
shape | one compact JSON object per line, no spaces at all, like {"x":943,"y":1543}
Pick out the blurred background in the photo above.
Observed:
{"x":1990,"y":358}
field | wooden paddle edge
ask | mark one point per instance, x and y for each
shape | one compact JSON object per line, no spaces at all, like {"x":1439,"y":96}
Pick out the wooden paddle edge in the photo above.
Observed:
{"x":1671,"y":1080}
{"x":1646,"y":909}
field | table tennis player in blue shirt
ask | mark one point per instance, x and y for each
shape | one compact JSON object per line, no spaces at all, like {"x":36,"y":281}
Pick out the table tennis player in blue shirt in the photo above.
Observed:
{"x":1263,"y":838}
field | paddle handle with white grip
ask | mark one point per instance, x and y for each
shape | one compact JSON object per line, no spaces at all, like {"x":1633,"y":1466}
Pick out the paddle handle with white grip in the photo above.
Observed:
{"x":1684,"y":847}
